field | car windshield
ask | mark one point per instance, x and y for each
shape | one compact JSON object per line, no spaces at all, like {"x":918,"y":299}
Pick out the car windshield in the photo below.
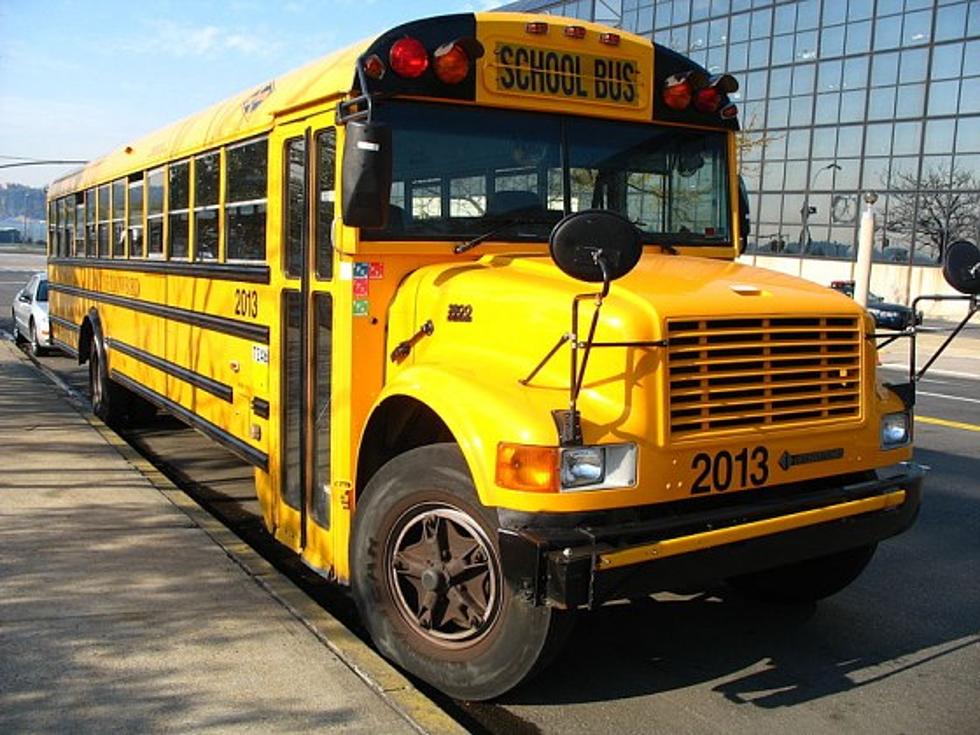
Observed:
{"x":42,"y":291}
{"x":461,"y":172}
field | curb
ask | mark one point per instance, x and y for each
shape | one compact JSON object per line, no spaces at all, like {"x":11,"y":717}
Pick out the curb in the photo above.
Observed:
{"x":392,"y":686}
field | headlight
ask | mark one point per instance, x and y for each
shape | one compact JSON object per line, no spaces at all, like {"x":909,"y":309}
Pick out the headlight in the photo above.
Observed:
{"x":895,"y":430}
{"x":597,"y":467}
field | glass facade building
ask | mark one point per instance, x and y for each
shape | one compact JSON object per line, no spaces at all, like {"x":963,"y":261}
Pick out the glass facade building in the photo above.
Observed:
{"x":837,"y":97}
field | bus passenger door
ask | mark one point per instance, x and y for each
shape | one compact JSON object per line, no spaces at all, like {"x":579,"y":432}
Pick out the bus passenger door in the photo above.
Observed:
{"x":305,"y":497}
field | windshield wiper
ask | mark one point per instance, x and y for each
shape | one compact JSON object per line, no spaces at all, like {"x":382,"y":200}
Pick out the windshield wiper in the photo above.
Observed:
{"x":507,"y":224}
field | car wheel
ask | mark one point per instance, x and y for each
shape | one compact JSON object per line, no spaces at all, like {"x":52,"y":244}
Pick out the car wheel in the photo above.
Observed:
{"x":429,"y":585}
{"x":806,"y":581}
{"x":18,"y":337}
{"x":36,"y":349}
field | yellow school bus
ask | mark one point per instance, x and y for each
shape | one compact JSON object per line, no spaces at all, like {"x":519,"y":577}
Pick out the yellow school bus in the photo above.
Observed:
{"x":465,"y":296}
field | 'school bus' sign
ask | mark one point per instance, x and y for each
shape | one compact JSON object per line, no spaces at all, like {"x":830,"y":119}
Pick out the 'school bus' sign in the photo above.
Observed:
{"x":583,"y":77}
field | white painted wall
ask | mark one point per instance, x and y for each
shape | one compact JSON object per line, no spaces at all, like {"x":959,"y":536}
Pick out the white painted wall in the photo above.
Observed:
{"x":899,"y":283}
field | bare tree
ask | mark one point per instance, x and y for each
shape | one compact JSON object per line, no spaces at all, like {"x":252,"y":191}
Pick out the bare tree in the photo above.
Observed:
{"x":948,"y":208}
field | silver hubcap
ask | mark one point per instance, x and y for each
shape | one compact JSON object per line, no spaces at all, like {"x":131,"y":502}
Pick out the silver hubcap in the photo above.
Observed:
{"x":443,"y":575}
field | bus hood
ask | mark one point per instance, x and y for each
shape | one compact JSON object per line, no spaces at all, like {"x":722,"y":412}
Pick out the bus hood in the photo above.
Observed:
{"x":496,"y":319}
{"x":513,"y":302}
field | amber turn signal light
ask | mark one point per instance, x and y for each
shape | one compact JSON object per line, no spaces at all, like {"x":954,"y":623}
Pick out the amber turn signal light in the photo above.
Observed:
{"x":451,"y":63}
{"x":527,"y":468}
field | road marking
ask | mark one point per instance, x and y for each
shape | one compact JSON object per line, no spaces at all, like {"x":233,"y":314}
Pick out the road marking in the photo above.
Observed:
{"x":932,"y":371}
{"x":944,"y":395}
{"x":948,"y":424}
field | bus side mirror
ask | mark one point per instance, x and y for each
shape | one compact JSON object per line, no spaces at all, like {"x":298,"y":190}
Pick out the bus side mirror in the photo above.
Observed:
{"x":366,"y":183}
{"x":962,"y":267}
{"x":744,"y":218}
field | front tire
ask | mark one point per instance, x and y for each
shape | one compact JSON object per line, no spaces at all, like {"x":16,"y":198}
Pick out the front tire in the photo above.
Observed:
{"x":36,"y":349}
{"x":18,"y":337}
{"x":806,"y":581}
{"x":428,"y":582}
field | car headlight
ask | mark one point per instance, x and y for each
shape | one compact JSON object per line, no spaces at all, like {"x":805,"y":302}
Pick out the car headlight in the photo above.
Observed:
{"x":895,"y":430}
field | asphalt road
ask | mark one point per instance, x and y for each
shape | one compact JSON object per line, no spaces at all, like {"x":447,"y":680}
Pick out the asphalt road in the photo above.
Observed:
{"x":898,"y":651}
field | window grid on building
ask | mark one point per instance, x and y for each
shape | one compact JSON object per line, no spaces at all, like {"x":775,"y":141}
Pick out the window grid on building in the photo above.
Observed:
{"x":837,"y":97}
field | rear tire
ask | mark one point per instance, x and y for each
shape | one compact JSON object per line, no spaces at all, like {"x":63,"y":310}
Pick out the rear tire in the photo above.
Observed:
{"x":428,"y":582}
{"x":108,"y":398}
{"x":806,"y":581}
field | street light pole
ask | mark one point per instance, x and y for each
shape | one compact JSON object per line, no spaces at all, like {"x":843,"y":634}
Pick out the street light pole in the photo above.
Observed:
{"x":806,"y":210}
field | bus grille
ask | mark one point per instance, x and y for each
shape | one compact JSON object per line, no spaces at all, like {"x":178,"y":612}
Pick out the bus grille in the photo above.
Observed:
{"x":760,"y":372}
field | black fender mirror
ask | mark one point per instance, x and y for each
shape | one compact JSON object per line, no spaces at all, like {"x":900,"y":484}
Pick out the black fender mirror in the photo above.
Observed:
{"x":595,"y":246}
{"x":961,"y":267}
{"x":366,"y":183}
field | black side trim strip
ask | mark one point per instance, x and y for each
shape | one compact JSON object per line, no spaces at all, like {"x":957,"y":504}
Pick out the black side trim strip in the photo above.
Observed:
{"x":235,"y":445}
{"x":217,"y":271}
{"x":63,"y":322}
{"x":214,"y":387}
{"x":65,"y":347}
{"x":254,"y":332}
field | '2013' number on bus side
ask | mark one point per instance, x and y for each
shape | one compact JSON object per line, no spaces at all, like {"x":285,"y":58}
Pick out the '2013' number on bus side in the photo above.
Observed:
{"x":246,"y":302}
{"x":718,"y":472}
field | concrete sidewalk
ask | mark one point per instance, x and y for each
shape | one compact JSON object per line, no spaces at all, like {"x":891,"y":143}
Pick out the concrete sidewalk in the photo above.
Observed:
{"x":119,"y":612}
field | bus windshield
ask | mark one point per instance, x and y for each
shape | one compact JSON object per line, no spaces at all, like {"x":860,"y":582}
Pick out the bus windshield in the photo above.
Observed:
{"x":462,"y":172}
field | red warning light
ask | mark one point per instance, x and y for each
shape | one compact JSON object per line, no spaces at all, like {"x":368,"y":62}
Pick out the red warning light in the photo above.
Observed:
{"x":408,"y":58}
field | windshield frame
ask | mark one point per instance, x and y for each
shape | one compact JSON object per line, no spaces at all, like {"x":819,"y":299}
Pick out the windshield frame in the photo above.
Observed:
{"x":532,"y":227}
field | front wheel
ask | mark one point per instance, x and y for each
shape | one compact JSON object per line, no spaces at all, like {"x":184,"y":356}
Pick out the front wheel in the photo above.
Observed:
{"x":18,"y":337}
{"x":428,"y":582}
{"x":806,"y":581}
{"x":36,"y":349}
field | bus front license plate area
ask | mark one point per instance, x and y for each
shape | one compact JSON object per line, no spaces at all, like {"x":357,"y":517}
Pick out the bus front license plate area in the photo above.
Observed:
{"x":748,"y":467}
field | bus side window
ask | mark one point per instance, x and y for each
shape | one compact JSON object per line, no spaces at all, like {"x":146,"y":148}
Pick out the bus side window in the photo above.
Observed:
{"x":154,"y":212}
{"x":119,"y":218}
{"x":326,"y":144}
{"x":178,"y":230}
{"x":207,"y":169}
{"x":245,"y":202}
{"x":134,"y":215}
{"x":102,"y":250}
{"x":91,"y":250}
{"x":79,"y":251}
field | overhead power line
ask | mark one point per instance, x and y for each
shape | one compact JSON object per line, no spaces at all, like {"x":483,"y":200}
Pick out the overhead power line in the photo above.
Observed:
{"x":38,"y":162}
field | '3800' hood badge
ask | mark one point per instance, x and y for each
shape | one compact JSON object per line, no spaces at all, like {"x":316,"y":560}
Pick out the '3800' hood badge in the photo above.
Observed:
{"x":788,"y":460}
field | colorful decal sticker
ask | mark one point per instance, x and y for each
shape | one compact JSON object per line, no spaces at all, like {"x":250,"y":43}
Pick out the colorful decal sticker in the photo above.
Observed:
{"x":362,"y":270}
{"x":361,"y":288}
{"x":254,"y":100}
{"x":361,"y":307}
{"x":376,"y":272}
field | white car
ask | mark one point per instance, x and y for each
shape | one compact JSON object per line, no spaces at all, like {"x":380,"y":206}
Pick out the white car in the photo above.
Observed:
{"x":29,"y":314}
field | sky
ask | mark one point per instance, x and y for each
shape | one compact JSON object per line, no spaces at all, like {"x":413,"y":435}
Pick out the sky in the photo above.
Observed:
{"x":79,"y":78}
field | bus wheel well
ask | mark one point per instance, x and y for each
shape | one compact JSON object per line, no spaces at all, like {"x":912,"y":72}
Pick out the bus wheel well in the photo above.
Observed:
{"x":399,"y":424}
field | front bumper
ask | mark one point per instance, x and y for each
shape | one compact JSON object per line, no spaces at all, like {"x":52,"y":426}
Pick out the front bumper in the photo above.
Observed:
{"x":592,"y":562}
